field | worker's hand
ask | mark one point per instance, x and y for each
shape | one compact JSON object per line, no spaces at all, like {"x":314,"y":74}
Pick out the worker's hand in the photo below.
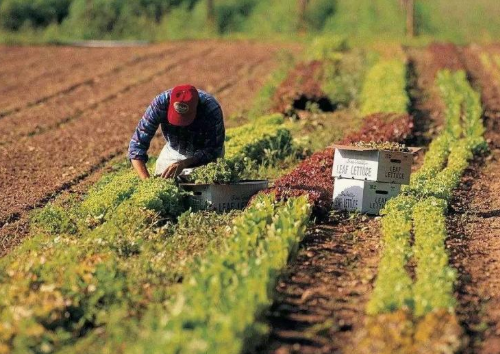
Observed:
{"x":173,"y":170}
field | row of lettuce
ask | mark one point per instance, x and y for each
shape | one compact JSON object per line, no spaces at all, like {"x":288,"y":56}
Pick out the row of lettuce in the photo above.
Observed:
{"x":92,"y":269}
{"x":218,"y":307}
{"x":491,"y":63}
{"x":128,"y":270}
{"x":419,"y":214}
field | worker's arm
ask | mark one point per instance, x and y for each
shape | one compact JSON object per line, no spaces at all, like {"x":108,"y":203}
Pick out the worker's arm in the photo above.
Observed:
{"x":215,"y":135}
{"x":140,"y":167}
{"x":144,"y":133}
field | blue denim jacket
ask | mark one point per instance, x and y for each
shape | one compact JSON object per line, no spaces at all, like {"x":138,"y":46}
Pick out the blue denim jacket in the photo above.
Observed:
{"x":204,"y":138}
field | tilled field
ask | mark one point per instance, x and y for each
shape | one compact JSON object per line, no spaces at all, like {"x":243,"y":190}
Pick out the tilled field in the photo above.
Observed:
{"x":66,"y":111}
{"x":423,"y":278}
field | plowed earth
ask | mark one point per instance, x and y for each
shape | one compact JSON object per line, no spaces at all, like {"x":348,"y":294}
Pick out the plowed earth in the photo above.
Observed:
{"x":302,"y":85}
{"x":488,"y":82}
{"x":65,"y":112}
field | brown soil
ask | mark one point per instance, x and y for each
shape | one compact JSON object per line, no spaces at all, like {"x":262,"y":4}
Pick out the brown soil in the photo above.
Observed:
{"x":474,"y":226}
{"x":484,"y":80}
{"x":428,"y":108}
{"x":322,"y":296}
{"x":475,"y":222}
{"x":446,"y":56}
{"x":302,"y":85}
{"x":88,"y":95}
{"x":43,"y":72}
{"x":74,"y":133}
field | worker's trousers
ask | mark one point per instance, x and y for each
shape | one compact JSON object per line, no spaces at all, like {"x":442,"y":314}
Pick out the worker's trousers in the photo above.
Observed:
{"x":167,"y":157}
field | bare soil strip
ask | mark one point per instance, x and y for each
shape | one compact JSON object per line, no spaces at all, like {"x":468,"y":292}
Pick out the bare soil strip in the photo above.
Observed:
{"x":428,"y":109}
{"x":69,"y":105}
{"x":45,"y":164}
{"x":475,"y":251}
{"x":322,"y":295}
{"x":485,"y":81}
{"x":64,"y":70}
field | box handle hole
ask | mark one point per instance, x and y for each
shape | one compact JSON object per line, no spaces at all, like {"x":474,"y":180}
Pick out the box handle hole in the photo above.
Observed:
{"x":395,"y":161}
{"x":381,"y":192}
{"x":197,"y":193}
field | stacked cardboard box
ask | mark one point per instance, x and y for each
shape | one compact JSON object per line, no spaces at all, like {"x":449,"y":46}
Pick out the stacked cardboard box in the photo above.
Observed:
{"x":366,"y":178}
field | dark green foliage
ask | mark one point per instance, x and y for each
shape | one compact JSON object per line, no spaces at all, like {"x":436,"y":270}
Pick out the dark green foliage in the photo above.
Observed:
{"x":459,"y":21}
{"x":15,"y":14}
{"x":318,"y":12}
{"x":231,"y":14}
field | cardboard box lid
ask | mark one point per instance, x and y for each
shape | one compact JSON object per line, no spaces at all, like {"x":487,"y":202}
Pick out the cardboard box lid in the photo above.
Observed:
{"x":413,"y":150}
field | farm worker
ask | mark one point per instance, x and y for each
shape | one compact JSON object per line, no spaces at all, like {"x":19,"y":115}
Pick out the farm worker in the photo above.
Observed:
{"x":192,"y":124}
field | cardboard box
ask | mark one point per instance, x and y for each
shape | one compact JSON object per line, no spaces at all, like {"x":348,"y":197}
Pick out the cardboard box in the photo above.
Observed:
{"x":222,"y":197}
{"x":373,"y":165}
{"x":364,"y":196}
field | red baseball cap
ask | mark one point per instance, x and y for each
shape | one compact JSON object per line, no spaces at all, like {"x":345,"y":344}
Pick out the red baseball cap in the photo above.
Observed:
{"x":183,"y":104}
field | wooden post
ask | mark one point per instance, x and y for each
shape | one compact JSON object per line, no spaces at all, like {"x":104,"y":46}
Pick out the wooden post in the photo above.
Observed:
{"x":410,"y":18}
{"x":302,"y":14}
{"x":211,"y":13}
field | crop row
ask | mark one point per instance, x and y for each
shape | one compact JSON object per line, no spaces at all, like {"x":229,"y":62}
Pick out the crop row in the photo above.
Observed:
{"x":421,"y":211}
{"x":109,"y":256}
{"x":484,"y":68}
{"x":330,"y":76}
{"x":313,"y":176}
{"x":217,"y":308}
{"x":262,"y":142}
{"x":57,"y":286}
{"x":492,"y":64}
{"x":384,"y":89}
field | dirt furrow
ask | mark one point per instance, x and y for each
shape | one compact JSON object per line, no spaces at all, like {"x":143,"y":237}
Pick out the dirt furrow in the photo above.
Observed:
{"x":16,"y":58}
{"x":428,"y":108}
{"x":49,"y":162}
{"x":249,"y":80}
{"x":484,"y":80}
{"x":56,"y":111}
{"x":29,"y":86}
{"x":474,"y":226}
{"x":474,"y":245}
{"x":322,"y":296}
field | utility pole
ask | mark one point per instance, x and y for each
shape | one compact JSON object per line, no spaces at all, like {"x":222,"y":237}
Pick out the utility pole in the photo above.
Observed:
{"x":410,"y":18}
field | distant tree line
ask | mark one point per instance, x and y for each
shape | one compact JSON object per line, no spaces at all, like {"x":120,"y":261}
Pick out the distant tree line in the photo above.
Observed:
{"x":455,"y":20}
{"x":96,"y":18}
